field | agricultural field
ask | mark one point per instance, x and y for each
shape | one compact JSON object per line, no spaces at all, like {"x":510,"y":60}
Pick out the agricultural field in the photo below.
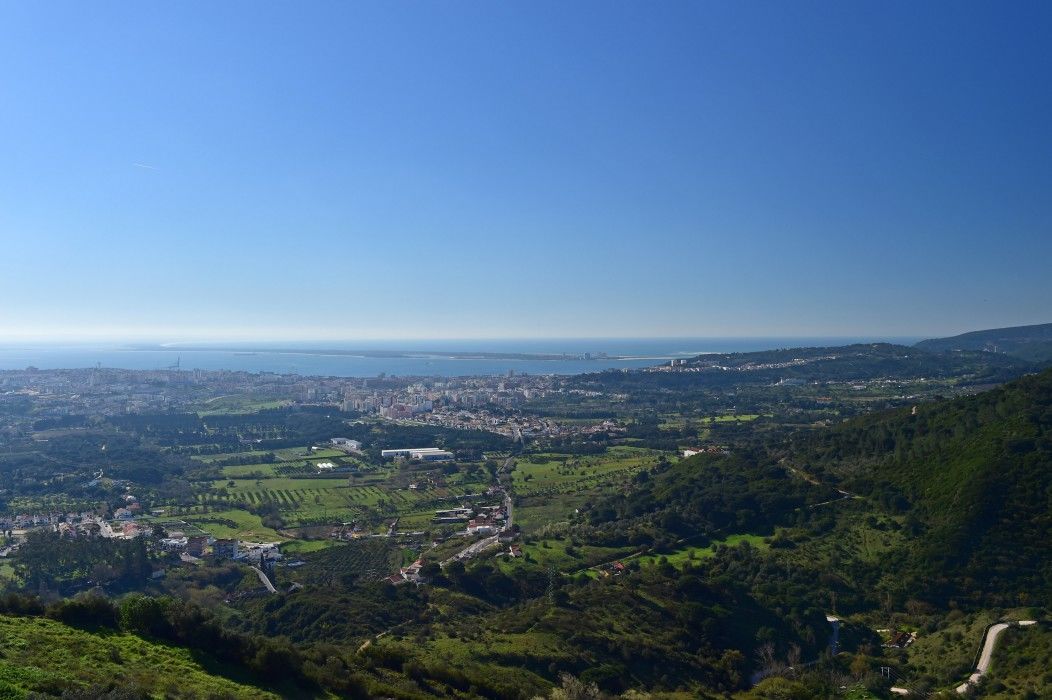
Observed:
{"x":235,"y":523}
{"x":367,"y":558}
{"x":550,"y":474}
{"x":332,"y":500}
{"x":677,"y":421}
{"x":549,"y":487}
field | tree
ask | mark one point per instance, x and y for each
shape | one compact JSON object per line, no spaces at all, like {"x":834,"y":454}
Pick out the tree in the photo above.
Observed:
{"x":574,"y":689}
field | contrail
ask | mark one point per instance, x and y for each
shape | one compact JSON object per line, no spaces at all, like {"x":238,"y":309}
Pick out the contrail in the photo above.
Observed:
{"x":144,"y":165}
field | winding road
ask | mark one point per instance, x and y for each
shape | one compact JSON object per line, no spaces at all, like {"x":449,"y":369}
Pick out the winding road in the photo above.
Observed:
{"x":992,"y":635}
{"x":264,"y":580}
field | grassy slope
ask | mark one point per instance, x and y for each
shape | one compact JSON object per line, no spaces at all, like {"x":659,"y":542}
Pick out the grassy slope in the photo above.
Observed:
{"x":41,"y":655}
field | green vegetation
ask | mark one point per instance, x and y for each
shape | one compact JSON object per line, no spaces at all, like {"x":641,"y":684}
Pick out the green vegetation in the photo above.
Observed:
{"x":1033,"y":343}
{"x":627,"y":568}
{"x":972,"y":478}
{"x":38,"y":655}
{"x":1022,"y":664}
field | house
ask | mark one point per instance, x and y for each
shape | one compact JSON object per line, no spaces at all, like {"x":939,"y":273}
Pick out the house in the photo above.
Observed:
{"x":224,"y":549}
{"x":901,"y":639}
{"x":195,"y":546}
{"x":174,"y":544}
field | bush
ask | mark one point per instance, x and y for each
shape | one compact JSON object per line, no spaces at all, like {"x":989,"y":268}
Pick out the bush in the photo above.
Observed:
{"x":87,"y":611}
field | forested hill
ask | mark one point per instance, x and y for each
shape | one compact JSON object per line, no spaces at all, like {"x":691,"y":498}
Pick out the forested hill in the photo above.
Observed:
{"x":976,"y":472}
{"x":1031,"y":343}
{"x":858,"y":362}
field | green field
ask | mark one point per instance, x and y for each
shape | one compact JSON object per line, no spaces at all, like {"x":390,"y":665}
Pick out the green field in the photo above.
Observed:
{"x":549,"y":487}
{"x":680,"y":557}
{"x":44,"y":656}
{"x":242,"y":525}
{"x":553,"y":552}
{"x":549,"y":474}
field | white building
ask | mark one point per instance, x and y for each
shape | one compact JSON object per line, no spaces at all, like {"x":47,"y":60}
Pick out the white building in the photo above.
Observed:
{"x":424,"y":454}
{"x":346,"y":444}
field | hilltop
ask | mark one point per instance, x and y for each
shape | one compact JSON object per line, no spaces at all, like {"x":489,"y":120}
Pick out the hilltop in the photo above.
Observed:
{"x":1031,"y":343}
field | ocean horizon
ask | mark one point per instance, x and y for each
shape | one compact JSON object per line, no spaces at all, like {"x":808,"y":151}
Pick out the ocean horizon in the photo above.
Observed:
{"x":371,"y":358}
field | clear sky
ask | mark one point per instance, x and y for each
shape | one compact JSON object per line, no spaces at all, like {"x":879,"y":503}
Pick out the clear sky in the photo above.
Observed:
{"x":312,"y":170}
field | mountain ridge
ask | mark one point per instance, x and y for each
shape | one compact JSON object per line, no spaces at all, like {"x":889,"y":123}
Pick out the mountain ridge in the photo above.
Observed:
{"x":1032,"y":343}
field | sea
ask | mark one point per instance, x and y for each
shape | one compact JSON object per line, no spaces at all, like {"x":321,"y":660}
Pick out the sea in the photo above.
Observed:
{"x":401,"y":357}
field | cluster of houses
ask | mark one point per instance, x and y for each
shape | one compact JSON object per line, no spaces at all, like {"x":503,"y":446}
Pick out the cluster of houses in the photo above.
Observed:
{"x":197,"y":546}
{"x":486,"y":520}
{"x":28,"y":521}
{"x":85,"y":524}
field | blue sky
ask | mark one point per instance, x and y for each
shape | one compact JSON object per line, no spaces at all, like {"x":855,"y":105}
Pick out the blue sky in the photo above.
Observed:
{"x":475,"y":169}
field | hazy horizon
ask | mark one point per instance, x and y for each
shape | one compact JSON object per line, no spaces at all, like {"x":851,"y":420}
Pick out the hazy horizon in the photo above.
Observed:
{"x":348,"y":343}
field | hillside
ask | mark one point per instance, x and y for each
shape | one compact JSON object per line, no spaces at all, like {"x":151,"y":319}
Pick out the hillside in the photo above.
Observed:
{"x":974,"y":476}
{"x":845,"y":363}
{"x":39,"y":655}
{"x":1031,"y":343}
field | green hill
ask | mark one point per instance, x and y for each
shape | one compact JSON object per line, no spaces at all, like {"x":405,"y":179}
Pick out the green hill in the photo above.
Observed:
{"x":1031,"y":343}
{"x":39,"y":655}
{"x":973,"y":474}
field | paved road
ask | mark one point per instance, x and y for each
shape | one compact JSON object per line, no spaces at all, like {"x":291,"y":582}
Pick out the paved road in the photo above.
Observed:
{"x":834,"y":641}
{"x":264,"y":580}
{"x":476,"y":548}
{"x":472,"y":550}
{"x":988,"y":652}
